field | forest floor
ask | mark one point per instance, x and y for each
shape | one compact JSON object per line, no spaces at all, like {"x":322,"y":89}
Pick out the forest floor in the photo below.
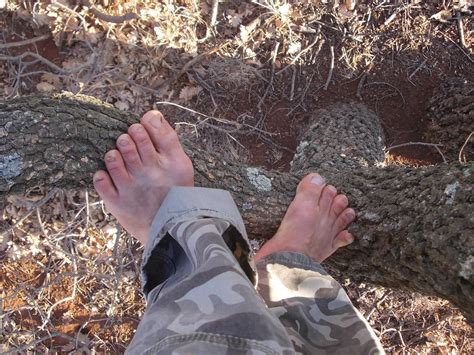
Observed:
{"x":242,"y":79}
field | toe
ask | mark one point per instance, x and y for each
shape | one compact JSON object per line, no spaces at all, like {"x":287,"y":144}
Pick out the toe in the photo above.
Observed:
{"x":327,"y":197}
{"x":309,"y":188}
{"x":344,"y":219}
{"x":116,"y":168}
{"x":162,"y":135}
{"x":144,"y":145}
{"x":129,"y":152}
{"x":339,"y":204}
{"x":104,"y":186}
{"x":342,"y":239}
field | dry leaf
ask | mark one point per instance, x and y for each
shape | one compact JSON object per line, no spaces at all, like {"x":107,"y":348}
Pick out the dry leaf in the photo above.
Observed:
{"x":122,"y":105}
{"x":188,"y":92}
{"x":42,"y":19}
{"x":236,"y":20}
{"x":44,"y":87}
{"x":52,"y":79}
{"x":72,"y":63}
{"x":443,"y":16}
{"x":294,"y":48}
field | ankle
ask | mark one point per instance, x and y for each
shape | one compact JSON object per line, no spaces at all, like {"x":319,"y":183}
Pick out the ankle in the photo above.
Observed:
{"x":275,"y":245}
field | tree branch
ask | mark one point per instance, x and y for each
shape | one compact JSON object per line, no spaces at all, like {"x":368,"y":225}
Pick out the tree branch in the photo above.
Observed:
{"x":414,"y":226}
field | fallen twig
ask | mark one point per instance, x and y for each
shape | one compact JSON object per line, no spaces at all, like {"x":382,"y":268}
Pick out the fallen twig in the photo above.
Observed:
{"x":418,"y":68}
{"x":461,"y":31}
{"x":47,"y":62}
{"x":156,"y":92}
{"x":436,"y":146}
{"x":215,"y":9}
{"x":262,"y":99}
{"x":191,"y":63}
{"x":24,"y":42}
{"x":304,"y":29}
{"x":35,"y":55}
{"x":393,"y":87}
{"x":317,"y":51}
{"x":460,"y":157}
{"x":463,"y":50}
{"x":412,"y":143}
{"x":33,"y":206}
{"x":66,"y":299}
{"x":293,"y":78}
{"x":220,"y":120}
{"x":303,"y":51}
{"x":396,"y":12}
{"x":117,"y":19}
{"x":35,"y":342}
{"x":331,"y":69}
{"x":360,"y":86}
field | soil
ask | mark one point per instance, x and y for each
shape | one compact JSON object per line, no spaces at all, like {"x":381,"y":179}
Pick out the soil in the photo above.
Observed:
{"x":401,"y":104}
{"x":19,"y":30}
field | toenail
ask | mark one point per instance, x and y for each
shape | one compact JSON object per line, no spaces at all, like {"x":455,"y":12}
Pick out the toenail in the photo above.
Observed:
{"x":98,"y":178}
{"x":350,"y":215}
{"x":138,"y":128}
{"x":332,"y":189}
{"x":155,"y":121}
{"x":123,"y":142}
{"x":109,"y":158}
{"x":317,"y":180}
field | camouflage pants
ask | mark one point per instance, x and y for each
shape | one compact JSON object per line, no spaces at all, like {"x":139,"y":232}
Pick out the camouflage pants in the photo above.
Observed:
{"x":199,"y":281}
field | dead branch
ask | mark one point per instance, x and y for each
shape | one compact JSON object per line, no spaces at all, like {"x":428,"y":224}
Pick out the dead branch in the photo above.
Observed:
{"x":303,"y":51}
{"x":461,"y":31}
{"x":47,"y":62}
{"x":361,"y":85}
{"x":262,"y":99}
{"x":331,"y":69}
{"x":461,"y":152}
{"x":24,"y":42}
{"x":117,"y":19}
{"x":215,"y":9}
{"x":436,"y":146}
{"x":392,"y":86}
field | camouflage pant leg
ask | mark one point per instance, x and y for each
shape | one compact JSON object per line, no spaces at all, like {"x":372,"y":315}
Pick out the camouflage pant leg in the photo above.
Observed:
{"x":313,"y":307}
{"x":201,"y":301}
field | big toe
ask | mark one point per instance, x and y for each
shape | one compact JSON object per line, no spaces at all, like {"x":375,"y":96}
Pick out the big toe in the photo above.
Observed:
{"x":162,"y":135}
{"x":311,"y":186}
{"x":104,"y":186}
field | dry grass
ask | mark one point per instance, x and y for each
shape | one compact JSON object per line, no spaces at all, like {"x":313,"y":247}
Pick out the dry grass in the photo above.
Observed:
{"x":69,"y":273}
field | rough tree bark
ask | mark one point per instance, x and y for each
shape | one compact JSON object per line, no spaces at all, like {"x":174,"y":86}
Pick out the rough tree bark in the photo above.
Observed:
{"x":414,"y":228}
{"x":451,"y":119}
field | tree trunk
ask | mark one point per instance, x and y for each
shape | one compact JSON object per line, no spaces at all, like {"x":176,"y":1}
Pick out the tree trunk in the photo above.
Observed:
{"x":451,"y":119}
{"x":414,"y":227}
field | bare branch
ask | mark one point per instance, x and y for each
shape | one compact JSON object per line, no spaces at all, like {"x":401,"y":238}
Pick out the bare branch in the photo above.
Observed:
{"x":331,"y":69}
{"x":117,"y":19}
{"x":24,"y":42}
{"x":461,"y":152}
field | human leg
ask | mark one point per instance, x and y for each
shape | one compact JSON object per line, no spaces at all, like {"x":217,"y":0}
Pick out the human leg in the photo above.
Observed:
{"x":313,"y":307}
{"x":196,"y":273}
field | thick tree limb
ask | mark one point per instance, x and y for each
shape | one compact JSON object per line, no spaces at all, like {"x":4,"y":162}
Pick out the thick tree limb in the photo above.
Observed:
{"x":414,"y":229}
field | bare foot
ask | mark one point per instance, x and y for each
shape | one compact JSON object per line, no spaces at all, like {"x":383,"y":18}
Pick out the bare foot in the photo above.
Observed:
{"x":315,"y":223}
{"x":148,"y":162}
